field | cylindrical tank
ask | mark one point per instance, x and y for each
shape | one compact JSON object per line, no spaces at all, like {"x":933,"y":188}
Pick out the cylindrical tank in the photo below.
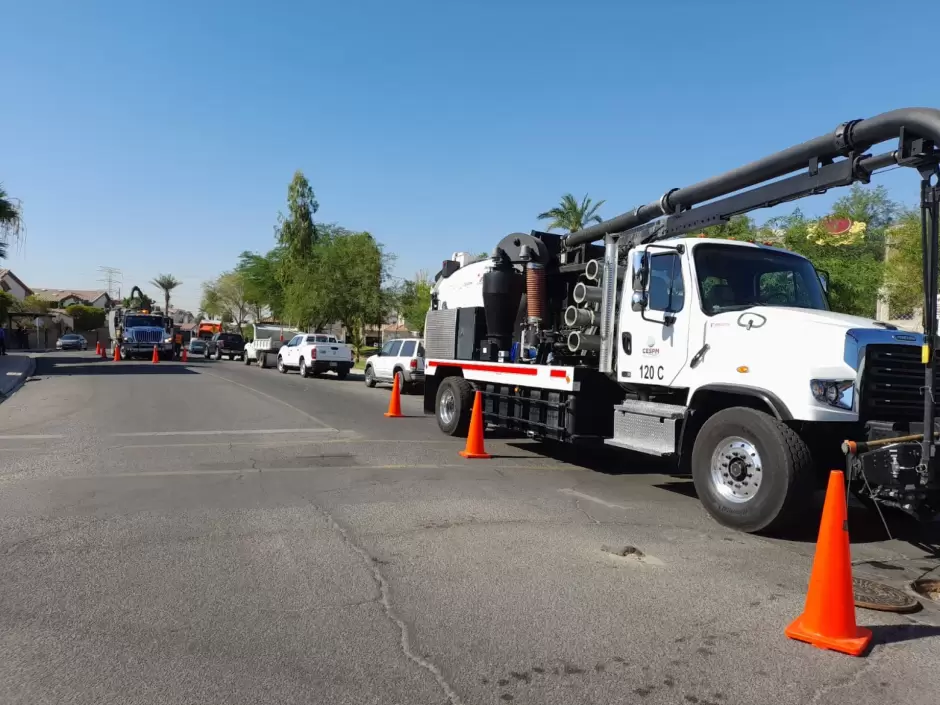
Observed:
{"x":579,"y":342}
{"x":535,"y":291}
{"x":582,"y":317}
{"x":586,"y":294}
{"x":502,"y":290}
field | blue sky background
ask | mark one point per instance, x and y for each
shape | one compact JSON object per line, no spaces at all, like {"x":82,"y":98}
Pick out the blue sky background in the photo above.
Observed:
{"x":160,"y":136}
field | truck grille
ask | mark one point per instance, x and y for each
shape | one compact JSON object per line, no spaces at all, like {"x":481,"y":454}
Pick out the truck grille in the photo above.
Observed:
{"x":892,"y":383}
{"x":145,"y":336}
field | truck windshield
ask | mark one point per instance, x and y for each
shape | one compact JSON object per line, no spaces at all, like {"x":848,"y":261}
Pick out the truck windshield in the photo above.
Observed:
{"x":734,"y":278}
{"x":143,"y":322}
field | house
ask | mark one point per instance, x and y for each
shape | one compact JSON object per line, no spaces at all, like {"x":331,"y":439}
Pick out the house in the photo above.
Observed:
{"x":13,"y":285}
{"x":181,"y":316}
{"x":99,"y":298}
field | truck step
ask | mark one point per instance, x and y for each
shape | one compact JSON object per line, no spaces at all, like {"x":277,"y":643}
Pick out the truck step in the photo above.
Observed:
{"x":647,"y":427}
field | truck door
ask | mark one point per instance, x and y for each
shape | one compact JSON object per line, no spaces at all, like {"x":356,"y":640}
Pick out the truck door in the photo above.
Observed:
{"x":653,"y":335}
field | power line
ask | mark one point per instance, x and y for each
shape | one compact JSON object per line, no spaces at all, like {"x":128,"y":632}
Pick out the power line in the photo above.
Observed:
{"x":111,"y":277}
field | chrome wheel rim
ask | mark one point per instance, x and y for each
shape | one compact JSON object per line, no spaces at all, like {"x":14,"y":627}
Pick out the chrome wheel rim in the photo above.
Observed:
{"x":368,"y":375}
{"x":280,"y":364}
{"x":303,"y":368}
{"x":736,"y":470}
{"x":448,"y":408}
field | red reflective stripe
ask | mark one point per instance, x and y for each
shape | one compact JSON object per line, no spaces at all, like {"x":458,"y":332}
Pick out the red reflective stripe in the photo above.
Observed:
{"x":532,"y":371}
{"x":558,"y":373}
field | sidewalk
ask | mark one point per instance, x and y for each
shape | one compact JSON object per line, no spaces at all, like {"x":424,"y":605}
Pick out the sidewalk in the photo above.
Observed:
{"x":15,"y":369}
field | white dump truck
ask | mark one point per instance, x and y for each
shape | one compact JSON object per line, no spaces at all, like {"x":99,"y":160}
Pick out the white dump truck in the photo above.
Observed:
{"x":268,"y":338}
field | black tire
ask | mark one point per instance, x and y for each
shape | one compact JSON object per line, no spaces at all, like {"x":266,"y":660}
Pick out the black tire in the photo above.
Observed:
{"x":343,"y":373}
{"x":785,"y":471}
{"x":246,"y":359}
{"x":281,"y":367}
{"x":369,"y":376}
{"x":462,"y":392}
{"x":403,"y":387}
{"x":218,"y":354}
{"x":303,"y":369}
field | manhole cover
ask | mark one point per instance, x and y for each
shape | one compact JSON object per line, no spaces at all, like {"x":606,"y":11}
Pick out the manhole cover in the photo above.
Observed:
{"x":928,"y":588}
{"x":876,"y":596}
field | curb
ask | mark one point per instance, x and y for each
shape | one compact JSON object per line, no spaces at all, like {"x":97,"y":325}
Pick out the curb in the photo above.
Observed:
{"x":30,"y":371}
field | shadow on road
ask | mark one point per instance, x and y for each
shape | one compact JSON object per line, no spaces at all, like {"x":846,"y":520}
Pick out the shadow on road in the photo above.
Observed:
{"x":68,"y":365}
{"x":866,"y":526}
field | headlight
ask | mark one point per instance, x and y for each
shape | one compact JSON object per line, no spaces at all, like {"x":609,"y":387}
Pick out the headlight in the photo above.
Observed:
{"x":835,"y":392}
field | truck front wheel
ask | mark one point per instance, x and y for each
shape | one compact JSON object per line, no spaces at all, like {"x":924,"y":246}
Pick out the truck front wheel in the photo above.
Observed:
{"x":454,"y":404}
{"x":751,"y":472}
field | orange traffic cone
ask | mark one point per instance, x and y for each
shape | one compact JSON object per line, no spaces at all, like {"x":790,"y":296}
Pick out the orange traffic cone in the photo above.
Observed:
{"x":117,"y":352}
{"x":98,"y":348}
{"x":474,"y":447}
{"x":183,"y":357}
{"x":828,"y":619}
{"x":156,"y":356}
{"x":394,"y":404}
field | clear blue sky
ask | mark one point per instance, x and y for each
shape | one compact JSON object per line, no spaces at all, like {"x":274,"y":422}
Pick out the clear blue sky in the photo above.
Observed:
{"x":160,"y":136}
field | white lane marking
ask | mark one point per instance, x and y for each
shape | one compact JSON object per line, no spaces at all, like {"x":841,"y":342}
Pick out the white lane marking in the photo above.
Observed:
{"x":267,"y":396}
{"x":135,"y":434}
{"x":256,"y":471}
{"x":591,"y":498}
{"x":32,"y":438}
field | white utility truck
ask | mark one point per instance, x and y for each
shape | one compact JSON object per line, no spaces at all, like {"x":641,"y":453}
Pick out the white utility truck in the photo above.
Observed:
{"x":722,"y":355}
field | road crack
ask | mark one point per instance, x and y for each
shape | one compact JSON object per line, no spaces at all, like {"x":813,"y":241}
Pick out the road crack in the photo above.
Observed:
{"x":384,"y":599}
{"x":870,"y":662}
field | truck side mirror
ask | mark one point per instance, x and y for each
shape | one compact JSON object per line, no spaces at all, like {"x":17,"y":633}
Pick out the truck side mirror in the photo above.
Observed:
{"x":823,"y":279}
{"x":641,"y":272}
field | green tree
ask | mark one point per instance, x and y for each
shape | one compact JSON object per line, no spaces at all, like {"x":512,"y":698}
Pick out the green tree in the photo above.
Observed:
{"x":855,"y":271}
{"x":11,"y":221}
{"x":8,"y":304}
{"x":873,"y":207}
{"x":86,"y":317}
{"x":296,"y":231}
{"x":571,"y":215}
{"x":904,"y":278}
{"x":231,"y":291}
{"x":166,"y":283}
{"x":414,"y":301}
{"x":263,"y":287}
{"x":34,"y":304}
{"x":210,"y":304}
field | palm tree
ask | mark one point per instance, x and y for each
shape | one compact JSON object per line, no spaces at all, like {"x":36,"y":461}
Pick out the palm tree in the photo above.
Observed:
{"x":11,"y":221}
{"x":571,"y":215}
{"x":166,"y":283}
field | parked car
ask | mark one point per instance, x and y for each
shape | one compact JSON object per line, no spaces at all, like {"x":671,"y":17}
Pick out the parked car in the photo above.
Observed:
{"x":231,"y":345}
{"x":198,"y":346}
{"x":315,"y":353}
{"x":71,"y":341}
{"x":402,"y":358}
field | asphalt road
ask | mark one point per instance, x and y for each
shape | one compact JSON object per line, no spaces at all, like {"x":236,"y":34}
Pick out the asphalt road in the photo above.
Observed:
{"x":215,"y":533}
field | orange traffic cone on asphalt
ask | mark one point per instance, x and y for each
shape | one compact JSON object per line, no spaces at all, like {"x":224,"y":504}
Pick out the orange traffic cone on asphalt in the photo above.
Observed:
{"x":183,"y":356}
{"x":394,"y":404}
{"x":98,"y":348}
{"x":828,"y":619}
{"x":117,"y":352}
{"x":156,"y":356}
{"x":474,"y":447}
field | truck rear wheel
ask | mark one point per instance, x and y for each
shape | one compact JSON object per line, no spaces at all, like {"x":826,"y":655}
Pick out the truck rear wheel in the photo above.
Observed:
{"x":751,"y":472}
{"x":453,"y":406}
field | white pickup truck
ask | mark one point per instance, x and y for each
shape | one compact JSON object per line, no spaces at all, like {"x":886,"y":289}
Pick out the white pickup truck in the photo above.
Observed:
{"x":314,"y":354}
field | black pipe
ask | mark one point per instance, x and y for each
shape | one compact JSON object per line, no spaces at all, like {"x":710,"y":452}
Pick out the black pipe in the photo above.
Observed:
{"x":851,"y":136}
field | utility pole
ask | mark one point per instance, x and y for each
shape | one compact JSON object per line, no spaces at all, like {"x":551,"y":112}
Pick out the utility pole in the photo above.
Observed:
{"x":111,"y":278}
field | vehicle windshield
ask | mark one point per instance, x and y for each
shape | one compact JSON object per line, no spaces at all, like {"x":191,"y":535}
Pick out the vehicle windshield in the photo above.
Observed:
{"x":139,"y":321}
{"x":732,"y":278}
